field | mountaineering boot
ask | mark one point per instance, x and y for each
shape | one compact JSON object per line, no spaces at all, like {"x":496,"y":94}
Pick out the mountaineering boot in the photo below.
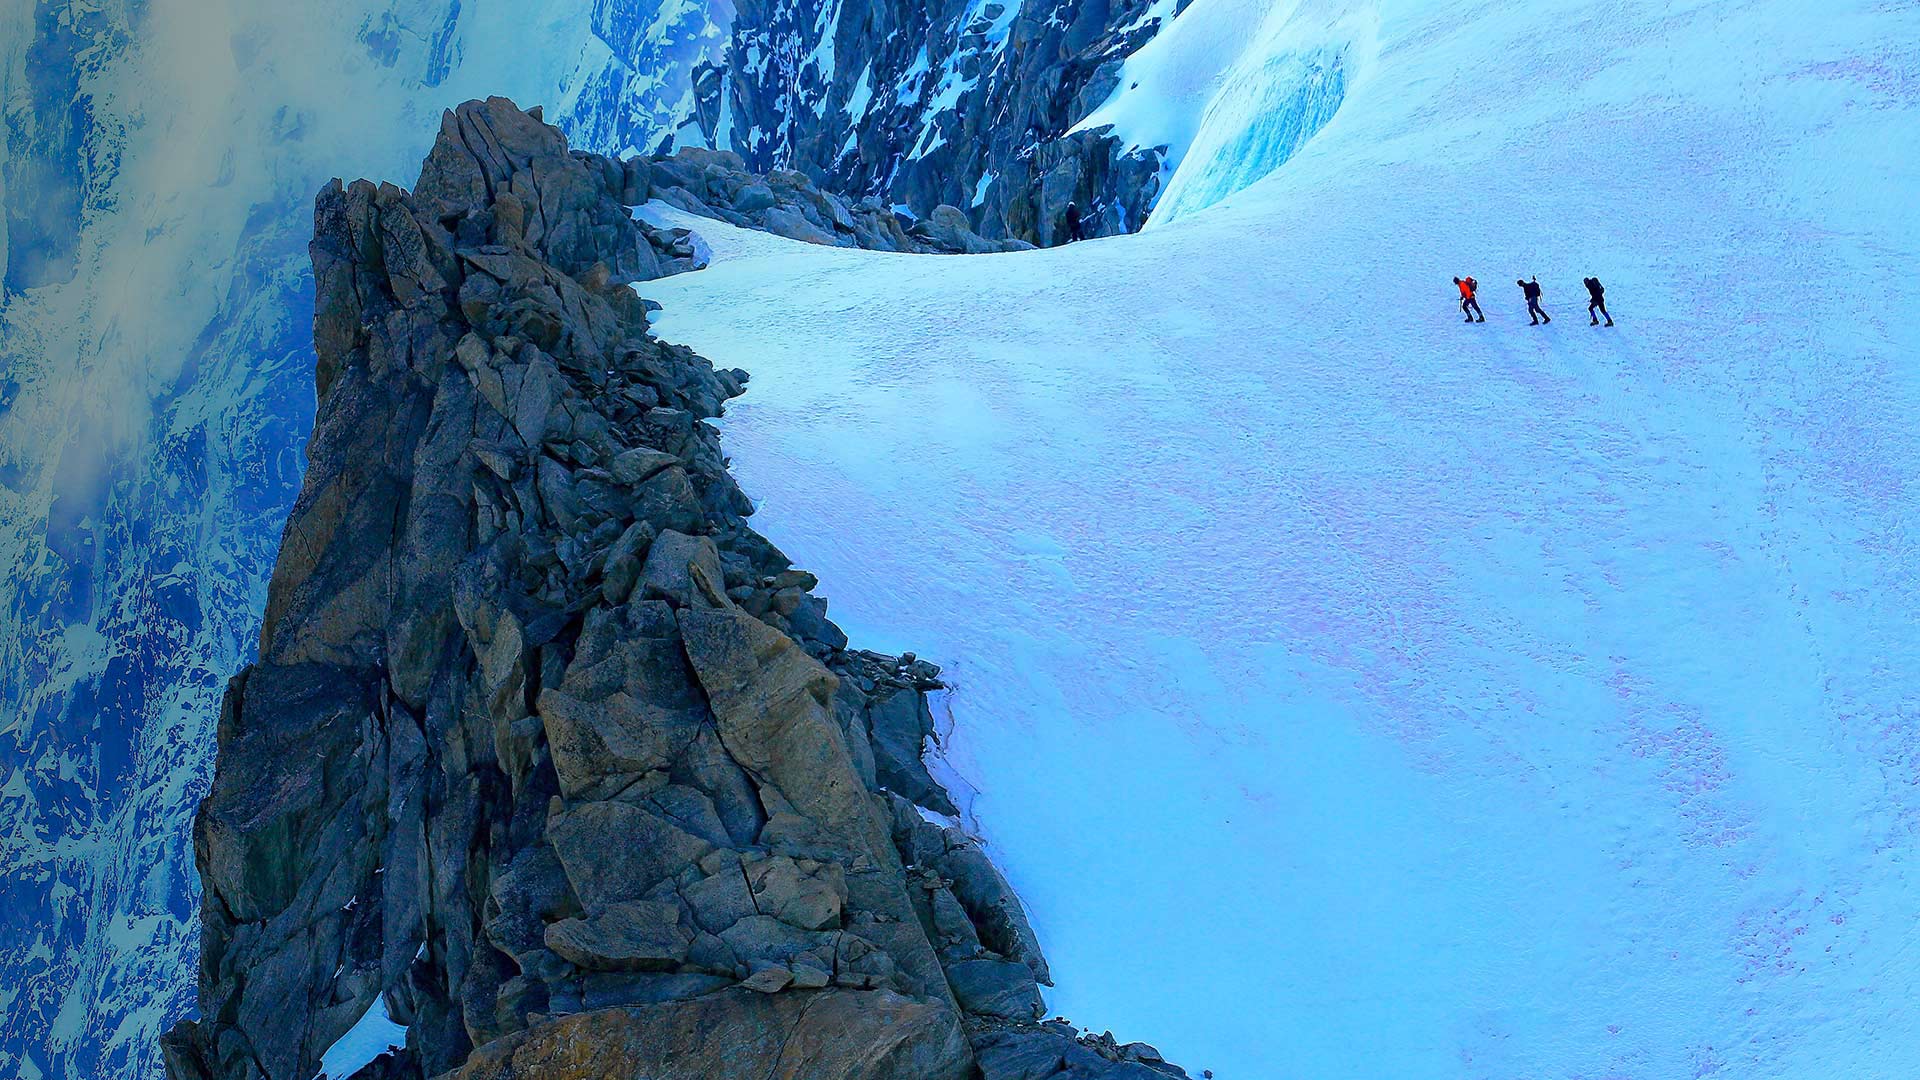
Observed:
{"x":1469,"y":318}
{"x":1595,"y":322}
{"x":1609,"y":321}
{"x":1483,"y":318}
{"x":1535,"y":322}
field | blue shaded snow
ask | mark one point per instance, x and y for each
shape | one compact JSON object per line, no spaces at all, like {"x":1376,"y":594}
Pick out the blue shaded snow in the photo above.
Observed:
{"x":1259,"y":120}
{"x":1231,"y":90}
{"x":373,"y":1034}
{"x":1510,"y":706}
{"x":1352,"y":693}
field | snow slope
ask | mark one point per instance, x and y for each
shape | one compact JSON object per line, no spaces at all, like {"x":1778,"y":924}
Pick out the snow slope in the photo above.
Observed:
{"x":1355,"y":693}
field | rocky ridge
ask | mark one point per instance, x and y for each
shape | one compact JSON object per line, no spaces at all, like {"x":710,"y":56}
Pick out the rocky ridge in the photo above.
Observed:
{"x":717,"y":184}
{"x":546,"y":751}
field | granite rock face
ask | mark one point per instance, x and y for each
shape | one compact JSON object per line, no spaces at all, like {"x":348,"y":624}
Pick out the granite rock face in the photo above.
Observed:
{"x":716,"y":184}
{"x":545,"y":746}
{"x":957,"y":102}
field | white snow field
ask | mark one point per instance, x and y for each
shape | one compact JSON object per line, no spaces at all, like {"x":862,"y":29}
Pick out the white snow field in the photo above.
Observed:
{"x":1352,"y":692}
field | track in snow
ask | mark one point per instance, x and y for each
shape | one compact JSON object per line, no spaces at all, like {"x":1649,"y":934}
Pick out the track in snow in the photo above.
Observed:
{"x":1352,"y":692}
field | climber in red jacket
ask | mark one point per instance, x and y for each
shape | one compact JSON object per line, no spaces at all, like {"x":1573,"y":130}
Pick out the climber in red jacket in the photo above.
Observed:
{"x":1467,"y":303}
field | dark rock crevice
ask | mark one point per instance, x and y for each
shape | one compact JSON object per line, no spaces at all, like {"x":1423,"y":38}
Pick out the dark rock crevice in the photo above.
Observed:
{"x":545,"y":746}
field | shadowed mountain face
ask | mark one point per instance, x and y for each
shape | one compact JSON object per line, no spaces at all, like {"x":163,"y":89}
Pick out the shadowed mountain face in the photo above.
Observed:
{"x":548,"y":757}
{"x":969,"y":103}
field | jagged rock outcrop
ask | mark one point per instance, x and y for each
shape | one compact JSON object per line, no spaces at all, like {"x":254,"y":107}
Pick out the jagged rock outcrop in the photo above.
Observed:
{"x":955,"y":102}
{"x":545,"y":746}
{"x":716,"y":184}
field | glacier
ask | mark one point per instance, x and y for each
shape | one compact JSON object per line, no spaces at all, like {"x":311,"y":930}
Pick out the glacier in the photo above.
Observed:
{"x":1232,"y":94}
{"x":1355,"y":693}
{"x":1531,"y":702}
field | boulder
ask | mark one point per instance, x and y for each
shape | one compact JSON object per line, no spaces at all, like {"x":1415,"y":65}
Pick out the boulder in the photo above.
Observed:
{"x":621,"y":568}
{"x":721,"y":898}
{"x":799,"y":892}
{"x":752,"y":197}
{"x":792,"y":224}
{"x":899,"y":725}
{"x":668,"y":501}
{"x":627,"y":706}
{"x":630,"y":935}
{"x":614,"y":851}
{"x":1054,"y":1051}
{"x":528,"y":892}
{"x":759,"y":940}
{"x":632,"y":467}
{"x":668,"y":572}
{"x":772,"y":706}
{"x":768,"y":979}
{"x":998,"y":988}
{"x":948,"y":229}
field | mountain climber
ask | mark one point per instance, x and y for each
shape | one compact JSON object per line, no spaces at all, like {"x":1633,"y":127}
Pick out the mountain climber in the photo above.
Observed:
{"x":1073,"y":223}
{"x":1598,"y":293}
{"x":1467,"y":303}
{"x":1532,"y":289}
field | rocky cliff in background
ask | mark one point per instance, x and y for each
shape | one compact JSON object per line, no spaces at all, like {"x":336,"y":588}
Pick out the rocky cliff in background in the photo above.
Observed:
{"x":547,"y":754}
{"x":962,"y":102}
{"x":716,"y":184}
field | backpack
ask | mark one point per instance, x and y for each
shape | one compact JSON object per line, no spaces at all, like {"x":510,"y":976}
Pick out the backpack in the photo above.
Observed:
{"x":1472,"y":286}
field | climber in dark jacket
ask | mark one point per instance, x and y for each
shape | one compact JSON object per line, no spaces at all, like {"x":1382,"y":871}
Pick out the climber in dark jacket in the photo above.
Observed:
{"x":1598,"y":293}
{"x":1532,"y":289}
{"x":1073,"y":223}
